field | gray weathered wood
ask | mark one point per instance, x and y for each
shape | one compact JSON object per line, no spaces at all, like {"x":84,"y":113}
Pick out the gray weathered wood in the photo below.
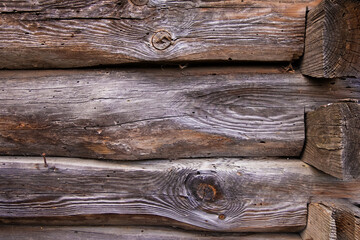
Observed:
{"x":332,"y":43}
{"x":128,"y":233}
{"x":48,"y":34}
{"x":154,"y":113}
{"x":333,"y":139}
{"x":333,"y":219}
{"x":255,"y":195}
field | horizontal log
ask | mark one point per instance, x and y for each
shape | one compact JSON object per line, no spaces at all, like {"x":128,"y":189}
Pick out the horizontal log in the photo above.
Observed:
{"x":128,"y":233}
{"x":333,"y":219}
{"x":333,"y":139}
{"x":47,"y":34}
{"x":332,"y":43}
{"x":151,"y":114}
{"x":230,"y":195}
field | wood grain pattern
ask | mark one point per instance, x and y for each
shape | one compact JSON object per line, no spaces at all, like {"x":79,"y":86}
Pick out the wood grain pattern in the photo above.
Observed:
{"x":66,"y":34}
{"x":332,"y":44}
{"x":128,"y":233}
{"x":333,"y":139}
{"x":333,"y":219}
{"x":321,"y":224}
{"x":231,"y":195}
{"x":151,"y":114}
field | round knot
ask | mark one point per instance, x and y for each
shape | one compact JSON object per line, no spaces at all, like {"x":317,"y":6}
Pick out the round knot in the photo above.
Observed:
{"x":161,"y":40}
{"x":204,"y":186}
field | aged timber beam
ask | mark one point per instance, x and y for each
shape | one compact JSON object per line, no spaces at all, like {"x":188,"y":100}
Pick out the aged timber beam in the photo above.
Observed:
{"x":230,"y":195}
{"x":46,"y":34}
{"x":333,"y":139}
{"x":332,"y":44}
{"x":152,"y":113}
{"x":332,"y":220}
{"x":12,"y":232}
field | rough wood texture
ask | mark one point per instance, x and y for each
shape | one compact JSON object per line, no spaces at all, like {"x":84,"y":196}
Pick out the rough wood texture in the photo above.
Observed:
{"x":347,"y":218}
{"x":48,"y":34}
{"x":336,"y":219}
{"x":152,"y":114}
{"x":256,"y":195}
{"x":332,"y":44}
{"x":321,"y":224}
{"x":127,"y":233}
{"x":333,"y":139}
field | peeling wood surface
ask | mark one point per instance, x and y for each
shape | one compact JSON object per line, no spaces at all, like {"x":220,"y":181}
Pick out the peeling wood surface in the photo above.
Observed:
{"x":153,"y":113}
{"x":332,"y":44}
{"x":231,"y":195}
{"x":66,"y":34}
{"x":333,"y":139}
{"x":128,"y":233}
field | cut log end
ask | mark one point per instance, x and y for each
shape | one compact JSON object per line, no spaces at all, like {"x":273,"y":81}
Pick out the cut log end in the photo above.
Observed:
{"x":333,"y":140}
{"x":332,"y":45}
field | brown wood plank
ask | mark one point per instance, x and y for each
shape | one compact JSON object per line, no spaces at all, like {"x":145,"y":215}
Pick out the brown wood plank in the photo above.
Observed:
{"x":66,"y":34}
{"x":333,"y":139}
{"x":231,"y":195}
{"x":321,"y":224}
{"x":128,"y":233}
{"x":333,"y":219}
{"x":332,"y":44}
{"x":153,"y":113}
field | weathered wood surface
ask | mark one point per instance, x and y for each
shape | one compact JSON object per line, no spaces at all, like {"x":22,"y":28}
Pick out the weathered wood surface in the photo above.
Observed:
{"x":347,"y":218}
{"x":255,"y":195}
{"x":336,"y":219}
{"x":321,"y":224}
{"x":128,"y":233}
{"x":333,"y":139}
{"x":332,"y":44}
{"x":48,"y":34}
{"x":152,"y":114}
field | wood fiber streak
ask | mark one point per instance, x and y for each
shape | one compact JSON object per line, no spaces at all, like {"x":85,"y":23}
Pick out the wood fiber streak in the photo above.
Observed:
{"x":231,"y":195}
{"x":332,"y":45}
{"x":152,"y":114}
{"x":333,"y":139}
{"x":66,"y":34}
{"x":128,"y":233}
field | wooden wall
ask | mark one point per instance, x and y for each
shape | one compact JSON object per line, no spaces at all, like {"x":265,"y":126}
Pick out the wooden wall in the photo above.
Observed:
{"x":149,"y":119}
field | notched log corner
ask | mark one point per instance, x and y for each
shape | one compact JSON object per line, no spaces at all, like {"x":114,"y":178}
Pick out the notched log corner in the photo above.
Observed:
{"x":332,"y":220}
{"x":332,"y":43}
{"x":333,"y":139}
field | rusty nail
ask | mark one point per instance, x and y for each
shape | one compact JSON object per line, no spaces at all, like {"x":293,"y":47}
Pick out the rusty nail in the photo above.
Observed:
{"x":222,"y":216}
{"x":139,"y":2}
{"x":161,"y":40}
{"x":45,"y":163}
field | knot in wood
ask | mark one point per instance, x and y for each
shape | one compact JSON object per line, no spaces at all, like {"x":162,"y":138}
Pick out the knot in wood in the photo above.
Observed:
{"x":161,"y":40}
{"x":139,"y":2}
{"x":204,"y":187}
